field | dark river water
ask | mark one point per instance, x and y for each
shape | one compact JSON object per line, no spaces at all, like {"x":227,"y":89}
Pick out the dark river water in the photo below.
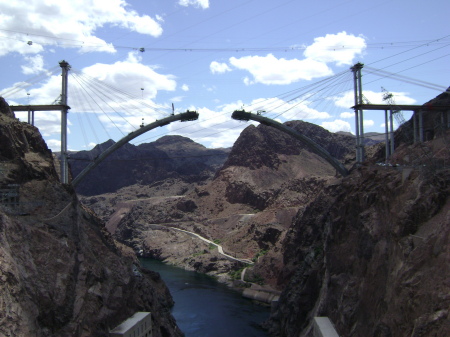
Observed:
{"x":206,"y":308}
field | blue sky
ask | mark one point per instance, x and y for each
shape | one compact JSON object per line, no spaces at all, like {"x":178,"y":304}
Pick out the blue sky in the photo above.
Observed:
{"x":132,"y":59}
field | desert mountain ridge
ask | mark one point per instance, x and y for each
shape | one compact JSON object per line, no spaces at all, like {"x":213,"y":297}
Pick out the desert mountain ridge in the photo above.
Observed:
{"x":173,"y":157}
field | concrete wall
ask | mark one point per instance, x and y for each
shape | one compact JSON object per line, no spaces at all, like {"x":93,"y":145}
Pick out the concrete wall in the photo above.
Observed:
{"x":324,"y":328}
{"x":260,"y":295}
{"x":138,"y":325}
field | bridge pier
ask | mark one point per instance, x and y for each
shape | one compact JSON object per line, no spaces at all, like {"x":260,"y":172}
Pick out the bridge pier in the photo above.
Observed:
{"x":386,"y":137}
{"x":64,"y":108}
{"x":359,"y":114}
{"x":31,"y":117}
{"x":64,"y":158}
{"x":391,"y":133}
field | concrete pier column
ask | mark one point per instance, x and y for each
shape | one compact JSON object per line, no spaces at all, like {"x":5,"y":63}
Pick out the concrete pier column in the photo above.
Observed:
{"x":64,"y":160}
{"x":391,"y":136}
{"x":359,"y":128}
{"x":415,"y":126}
{"x":358,"y":158}
{"x":421,"y":126}
{"x":361,"y":135}
{"x":386,"y":133}
{"x":448,"y":119}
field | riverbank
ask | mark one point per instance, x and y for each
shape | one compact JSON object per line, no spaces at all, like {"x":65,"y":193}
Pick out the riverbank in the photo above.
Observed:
{"x":205,"y":307}
{"x":247,"y":287}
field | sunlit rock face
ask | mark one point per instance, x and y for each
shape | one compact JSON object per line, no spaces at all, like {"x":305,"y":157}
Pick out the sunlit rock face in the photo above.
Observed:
{"x":61,"y":273}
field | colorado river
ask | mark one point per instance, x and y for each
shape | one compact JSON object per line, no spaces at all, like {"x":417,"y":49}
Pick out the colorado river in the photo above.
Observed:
{"x":206,"y":308}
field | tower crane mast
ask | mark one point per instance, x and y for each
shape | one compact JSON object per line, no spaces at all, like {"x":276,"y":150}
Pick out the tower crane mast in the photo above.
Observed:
{"x":388,"y":97}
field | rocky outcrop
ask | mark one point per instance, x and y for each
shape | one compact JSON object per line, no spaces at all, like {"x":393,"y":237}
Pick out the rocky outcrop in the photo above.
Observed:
{"x":61,"y":273}
{"x":5,"y":109}
{"x":368,"y":253}
{"x":264,"y":146}
{"x":263,"y":158}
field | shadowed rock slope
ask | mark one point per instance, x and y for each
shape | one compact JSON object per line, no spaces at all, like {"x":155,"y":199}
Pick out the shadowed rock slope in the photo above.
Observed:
{"x":170,"y":157}
{"x":371,"y":253}
{"x":61,"y":273}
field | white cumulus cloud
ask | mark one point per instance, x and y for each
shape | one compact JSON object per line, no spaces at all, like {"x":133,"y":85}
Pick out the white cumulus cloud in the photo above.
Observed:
{"x":214,"y":127}
{"x":347,"y":99}
{"x":346,"y":115}
{"x":271,"y":70}
{"x":368,"y":123}
{"x":340,"y":48}
{"x":36,"y":65}
{"x":295,"y":109}
{"x":33,"y":25}
{"x":219,"y":68}
{"x":54,"y":145}
{"x":131,"y":73}
{"x":115,"y":111}
{"x":196,"y":3}
{"x":337,"y":125}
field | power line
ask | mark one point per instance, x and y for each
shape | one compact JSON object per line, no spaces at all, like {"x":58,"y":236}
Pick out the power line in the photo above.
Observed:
{"x":78,"y":43}
{"x":406,"y":79}
{"x":424,"y":44}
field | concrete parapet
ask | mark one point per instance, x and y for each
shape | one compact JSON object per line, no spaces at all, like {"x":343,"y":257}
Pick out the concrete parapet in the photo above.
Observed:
{"x":138,"y":325}
{"x":324,"y":328}
{"x":260,"y":295}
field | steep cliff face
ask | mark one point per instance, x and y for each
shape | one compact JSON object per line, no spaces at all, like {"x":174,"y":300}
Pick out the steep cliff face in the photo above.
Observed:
{"x":61,"y":273}
{"x":371,"y":253}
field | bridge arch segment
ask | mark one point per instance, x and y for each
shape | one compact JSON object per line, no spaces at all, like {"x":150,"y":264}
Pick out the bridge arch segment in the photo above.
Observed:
{"x":184,"y":117}
{"x":313,"y":146}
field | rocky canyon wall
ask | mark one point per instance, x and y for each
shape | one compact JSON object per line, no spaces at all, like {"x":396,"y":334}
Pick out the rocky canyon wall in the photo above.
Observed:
{"x":61,"y":273}
{"x":371,"y":253}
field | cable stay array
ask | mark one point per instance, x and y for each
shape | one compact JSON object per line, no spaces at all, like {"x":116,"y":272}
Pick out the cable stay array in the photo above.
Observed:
{"x":28,"y":83}
{"x":100,"y":106}
{"x":405,"y":79}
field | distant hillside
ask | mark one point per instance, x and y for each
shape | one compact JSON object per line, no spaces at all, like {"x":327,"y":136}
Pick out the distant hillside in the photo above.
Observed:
{"x":370,"y":138}
{"x":168,"y":157}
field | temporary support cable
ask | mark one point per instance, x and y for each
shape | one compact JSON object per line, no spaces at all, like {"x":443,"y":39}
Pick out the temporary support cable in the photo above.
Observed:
{"x":406,"y":79}
{"x":185,"y":116}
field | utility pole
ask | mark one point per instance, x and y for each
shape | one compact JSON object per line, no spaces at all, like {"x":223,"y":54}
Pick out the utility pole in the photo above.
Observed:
{"x":65,"y":67}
